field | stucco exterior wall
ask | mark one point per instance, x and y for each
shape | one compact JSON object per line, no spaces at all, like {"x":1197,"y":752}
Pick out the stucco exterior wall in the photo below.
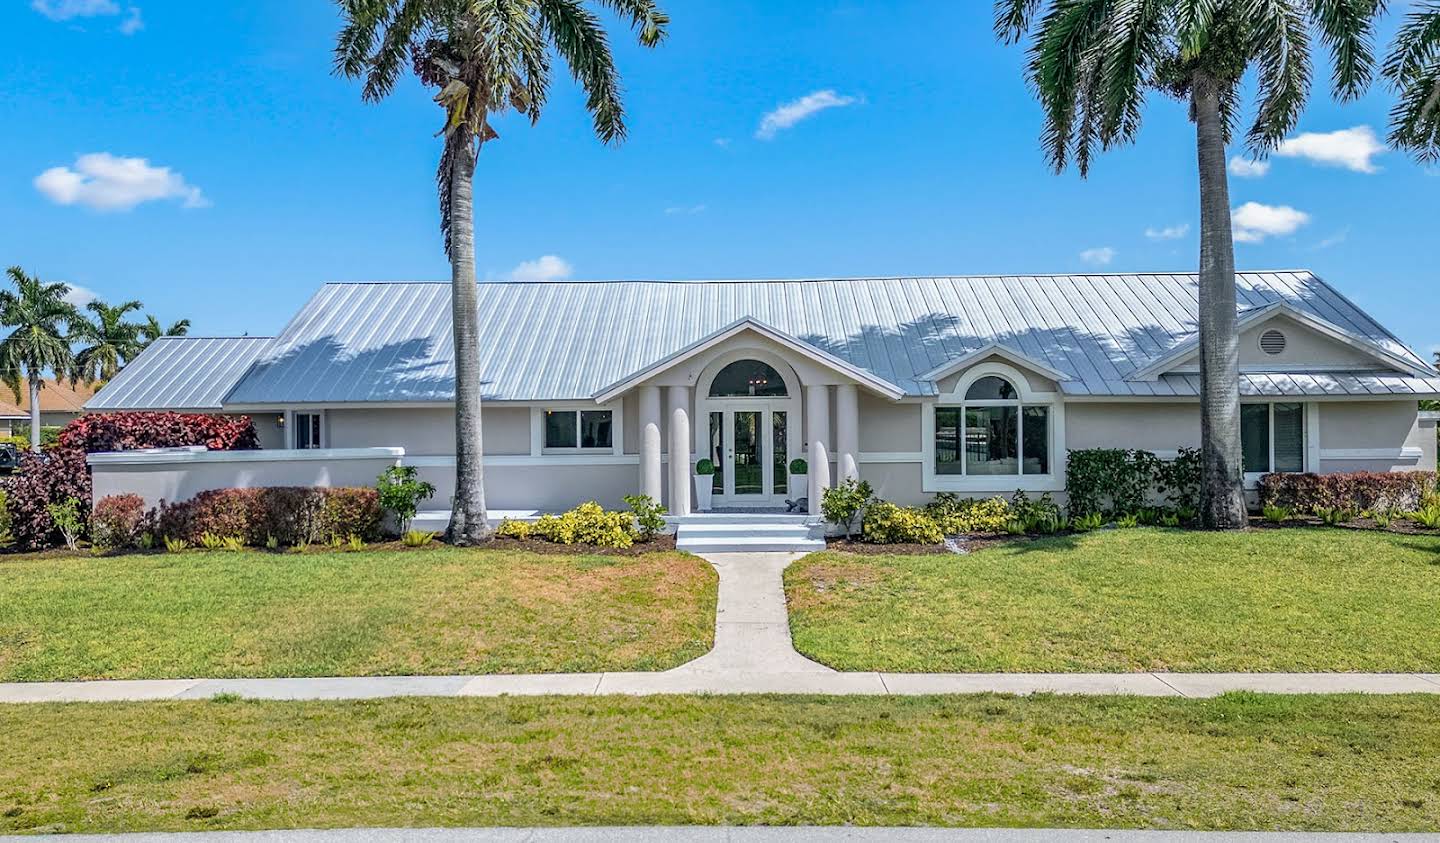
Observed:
{"x":1375,"y":436}
{"x":896,"y":482}
{"x":887,"y":426}
{"x":179,"y":480}
{"x":426,"y":431}
{"x":1161,"y":427}
{"x":547,"y":488}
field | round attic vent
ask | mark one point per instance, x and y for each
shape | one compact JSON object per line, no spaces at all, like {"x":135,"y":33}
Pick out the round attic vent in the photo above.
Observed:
{"x":1272,"y":342}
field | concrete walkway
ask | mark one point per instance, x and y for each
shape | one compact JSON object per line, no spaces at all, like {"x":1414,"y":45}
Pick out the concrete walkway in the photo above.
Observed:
{"x":753,"y":654}
{"x":703,"y":834}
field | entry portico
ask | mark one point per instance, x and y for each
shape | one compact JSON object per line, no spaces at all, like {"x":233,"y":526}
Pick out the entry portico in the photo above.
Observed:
{"x":741,"y":397}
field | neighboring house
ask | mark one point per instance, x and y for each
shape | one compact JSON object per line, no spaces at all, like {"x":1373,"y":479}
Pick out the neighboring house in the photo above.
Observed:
{"x":59,"y":404}
{"x":976,"y":385}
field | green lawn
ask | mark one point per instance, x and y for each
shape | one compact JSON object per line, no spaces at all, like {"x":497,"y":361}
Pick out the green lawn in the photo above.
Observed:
{"x":438,"y":611}
{"x":1129,"y":600}
{"x":1239,"y":762}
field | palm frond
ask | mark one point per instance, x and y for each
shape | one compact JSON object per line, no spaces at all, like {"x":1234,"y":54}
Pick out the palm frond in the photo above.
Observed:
{"x":1348,"y":28}
{"x":1061,"y":68}
{"x":645,"y":17}
{"x":580,"y":39}
{"x":1280,"y":49}
{"x":1012,"y":19}
{"x":1413,"y":69}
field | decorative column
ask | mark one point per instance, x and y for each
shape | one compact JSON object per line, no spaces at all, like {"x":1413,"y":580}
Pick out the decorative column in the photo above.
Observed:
{"x":847,"y":432}
{"x":817,"y":430}
{"x":679,"y":450}
{"x":650,"y":476}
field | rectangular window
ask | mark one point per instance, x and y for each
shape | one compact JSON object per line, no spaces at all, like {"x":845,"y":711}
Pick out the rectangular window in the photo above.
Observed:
{"x":560,"y":429}
{"x":307,"y":431}
{"x":595,"y":429}
{"x":590,"y":429}
{"x":947,"y":441}
{"x":992,"y":440}
{"x":779,"y":453}
{"x":1036,"y":447}
{"x":1272,"y":437}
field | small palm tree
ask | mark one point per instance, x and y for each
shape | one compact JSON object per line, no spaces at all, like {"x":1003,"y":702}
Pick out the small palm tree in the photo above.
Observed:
{"x":41,"y":319}
{"x":110,"y":341}
{"x":1092,"y":64}
{"x":483,"y":57}
{"x":1413,"y":68}
{"x":152,"y":330}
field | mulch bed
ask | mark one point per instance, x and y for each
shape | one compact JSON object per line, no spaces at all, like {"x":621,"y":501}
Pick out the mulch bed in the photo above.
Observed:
{"x":969,"y":543}
{"x":659,"y":544}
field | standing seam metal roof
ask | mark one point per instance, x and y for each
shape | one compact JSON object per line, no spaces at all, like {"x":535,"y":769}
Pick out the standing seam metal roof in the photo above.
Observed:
{"x":391,"y":342}
{"x":181,"y":373}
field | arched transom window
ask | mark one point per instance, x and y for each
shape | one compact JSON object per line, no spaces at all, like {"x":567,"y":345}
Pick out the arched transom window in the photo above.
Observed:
{"x":748,"y":379}
{"x":992,"y":432}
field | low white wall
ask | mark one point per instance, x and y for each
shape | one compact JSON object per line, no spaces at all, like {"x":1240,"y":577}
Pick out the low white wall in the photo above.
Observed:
{"x":528,"y":483}
{"x":178,"y":474}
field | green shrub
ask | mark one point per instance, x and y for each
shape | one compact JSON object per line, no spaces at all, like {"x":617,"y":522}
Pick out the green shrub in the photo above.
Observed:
{"x":1428,"y":517}
{"x":1086,"y":523}
{"x":1334,"y":516}
{"x":705,"y":467}
{"x":1127,"y":521}
{"x":649,"y":515}
{"x":401,"y":490}
{"x":956,"y":515}
{"x":118,"y":521}
{"x":175,"y":545}
{"x":417,"y":538}
{"x":886,"y":523}
{"x":7,"y":535}
{"x":1029,"y":511}
{"x":512,"y":529}
{"x":799,"y":466}
{"x":590,"y":524}
{"x":66,"y":517}
{"x":1276,"y":514}
{"x":844,"y":504}
{"x":1120,"y":480}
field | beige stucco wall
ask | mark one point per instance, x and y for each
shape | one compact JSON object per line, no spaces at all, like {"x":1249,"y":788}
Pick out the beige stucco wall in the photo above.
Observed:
{"x":548,"y":488}
{"x":1149,"y":427}
{"x":1302,"y":347}
{"x":1036,"y":382}
{"x":896,"y":482}
{"x":175,"y":482}
{"x":887,"y":426}
{"x":1377,"y":426}
{"x":426,"y":431}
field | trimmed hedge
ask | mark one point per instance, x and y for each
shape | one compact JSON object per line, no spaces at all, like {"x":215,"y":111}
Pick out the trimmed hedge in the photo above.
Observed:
{"x":291,"y":515}
{"x":119,"y":521}
{"x":1116,"y":480}
{"x":1356,"y":490}
{"x":59,"y":473}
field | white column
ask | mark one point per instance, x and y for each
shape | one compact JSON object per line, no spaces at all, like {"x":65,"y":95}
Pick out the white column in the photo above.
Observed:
{"x":679,"y":450}
{"x":847,"y":432}
{"x":817,"y":430}
{"x":649,"y":400}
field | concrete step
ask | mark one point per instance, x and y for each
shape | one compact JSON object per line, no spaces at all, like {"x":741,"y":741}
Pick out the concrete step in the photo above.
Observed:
{"x":775,"y":531}
{"x":748,"y":544}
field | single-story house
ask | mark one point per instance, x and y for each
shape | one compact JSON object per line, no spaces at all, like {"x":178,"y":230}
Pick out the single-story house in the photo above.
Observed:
{"x":60,"y":403}
{"x":978,"y":385}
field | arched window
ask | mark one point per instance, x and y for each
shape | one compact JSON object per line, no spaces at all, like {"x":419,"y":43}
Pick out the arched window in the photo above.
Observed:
{"x":748,"y":379}
{"x":992,"y":433}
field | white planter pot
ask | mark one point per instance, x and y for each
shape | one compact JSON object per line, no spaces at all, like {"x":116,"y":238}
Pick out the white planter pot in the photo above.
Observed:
{"x":799,"y":486}
{"x":704,"y":489}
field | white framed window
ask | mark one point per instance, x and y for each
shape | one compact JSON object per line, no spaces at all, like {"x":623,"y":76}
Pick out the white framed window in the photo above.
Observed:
{"x":993,"y":432}
{"x":566,"y":431}
{"x":1273,"y":437}
{"x":308,"y":430}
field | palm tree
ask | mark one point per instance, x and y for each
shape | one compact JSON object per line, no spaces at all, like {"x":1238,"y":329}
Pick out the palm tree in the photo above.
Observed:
{"x":1413,"y":68}
{"x":483,"y":57}
{"x":110,"y":341}
{"x":1092,"y":63}
{"x":41,"y":319}
{"x":152,"y":330}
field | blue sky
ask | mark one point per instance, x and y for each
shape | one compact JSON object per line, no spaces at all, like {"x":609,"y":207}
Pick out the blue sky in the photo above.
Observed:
{"x":901,"y":141}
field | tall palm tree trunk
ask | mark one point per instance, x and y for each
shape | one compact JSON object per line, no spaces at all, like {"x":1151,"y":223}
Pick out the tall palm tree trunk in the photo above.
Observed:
{"x":468,"y":523}
{"x":34,"y":410}
{"x":1222,"y":505}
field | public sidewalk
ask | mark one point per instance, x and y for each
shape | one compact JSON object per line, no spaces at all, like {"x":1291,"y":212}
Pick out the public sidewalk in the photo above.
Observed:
{"x":753,"y":654}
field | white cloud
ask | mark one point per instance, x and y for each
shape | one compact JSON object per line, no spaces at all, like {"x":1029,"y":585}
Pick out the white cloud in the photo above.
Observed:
{"x":543,"y":268}
{"x":67,"y":9}
{"x":1352,"y":149}
{"x":793,"y":112}
{"x":684,"y":210}
{"x":1171,"y":232}
{"x":1253,"y":222}
{"x":106,"y":182}
{"x":133,"y":23}
{"x":1100,"y":256}
{"x":80,"y":296}
{"x":1245,"y":168}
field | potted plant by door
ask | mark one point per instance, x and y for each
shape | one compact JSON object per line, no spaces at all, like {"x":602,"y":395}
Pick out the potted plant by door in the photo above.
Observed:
{"x":704,"y":484}
{"x":799,"y":481}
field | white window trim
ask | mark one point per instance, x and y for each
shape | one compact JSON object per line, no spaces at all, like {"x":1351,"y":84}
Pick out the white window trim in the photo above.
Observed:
{"x":1051,"y":482}
{"x":1311,"y":449}
{"x":292,"y":429}
{"x":537,"y":429}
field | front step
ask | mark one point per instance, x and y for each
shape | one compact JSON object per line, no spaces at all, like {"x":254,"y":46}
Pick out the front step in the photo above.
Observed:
{"x":747,"y":534}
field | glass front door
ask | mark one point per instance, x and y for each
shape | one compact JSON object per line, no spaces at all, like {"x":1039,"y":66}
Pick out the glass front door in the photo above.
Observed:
{"x":755,"y":454}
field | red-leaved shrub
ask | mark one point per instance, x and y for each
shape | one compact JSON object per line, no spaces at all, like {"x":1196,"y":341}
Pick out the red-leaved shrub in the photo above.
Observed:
{"x":289,"y":514}
{"x":1358,"y":490}
{"x":118,"y":521}
{"x":60,"y":473}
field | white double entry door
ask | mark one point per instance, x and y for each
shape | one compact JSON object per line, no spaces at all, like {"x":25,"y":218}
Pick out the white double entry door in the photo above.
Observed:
{"x":750,"y":444}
